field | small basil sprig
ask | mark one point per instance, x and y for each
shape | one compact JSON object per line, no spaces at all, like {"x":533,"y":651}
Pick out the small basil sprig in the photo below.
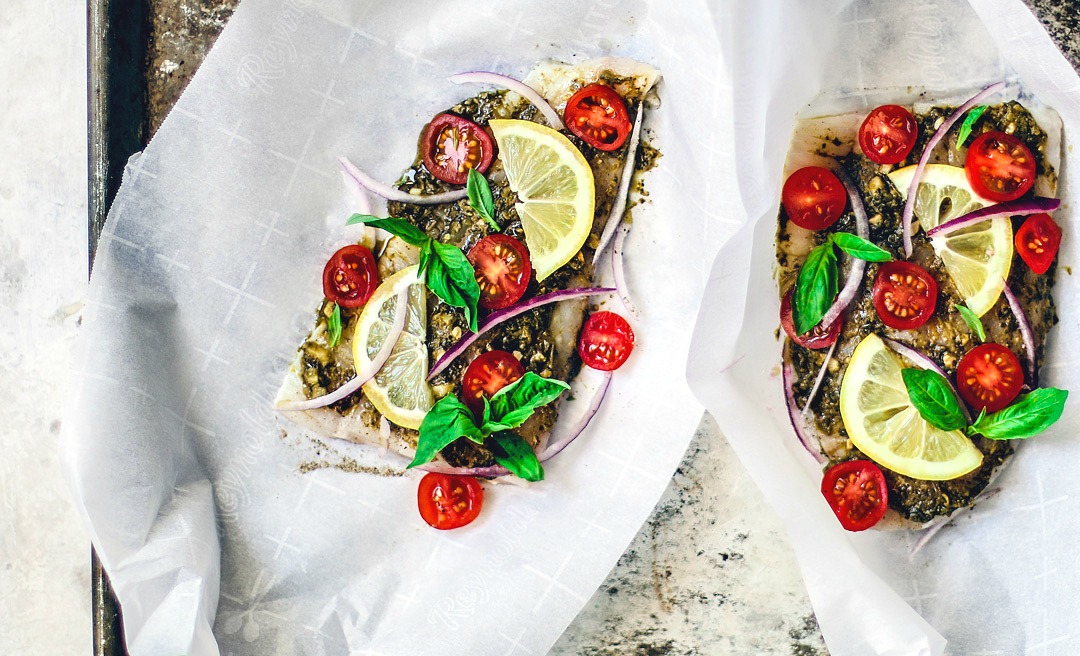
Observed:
{"x":969,"y":122}
{"x":972,"y":321}
{"x":450,"y":276}
{"x":816,"y":287}
{"x":333,"y":326}
{"x":1030,"y":415}
{"x":480,"y":197}
{"x":932,"y":396}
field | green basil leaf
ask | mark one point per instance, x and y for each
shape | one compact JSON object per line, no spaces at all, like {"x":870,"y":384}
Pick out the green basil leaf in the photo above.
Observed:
{"x":480,"y":197}
{"x":516,"y":402}
{"x":969,"y":122}
{"x":514,"y":453}
{"x":448,"y":420}
{"x":397,"y":227}
{"x":452,"y":278}
{"x":425,"y":258}
{"x":815,"y":289}
{"x":856,"y":246}
{"x":1030,"y":415}
{"x":934,"y":399}
{"x":972,"y":321}
{"x":333,"y":326}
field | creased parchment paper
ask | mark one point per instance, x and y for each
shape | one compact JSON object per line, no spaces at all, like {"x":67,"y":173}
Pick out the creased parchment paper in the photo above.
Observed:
{"x":1004,"y":578}
{"x":207,"y":279}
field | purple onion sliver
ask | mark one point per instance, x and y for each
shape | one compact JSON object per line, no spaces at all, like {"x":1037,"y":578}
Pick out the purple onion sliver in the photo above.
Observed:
{"x":923,"y":362}
{"x":1023,"y":207}
{"x":1025,"y":332}
{"x":797,"y":423}
{"x":483,"y":472}
{"x":495,"y":318}
{"x":397,"y":195}
{"x":820,"y":377}
{"x":360,"y":192}
{"x":858,"y":267}
{"x":555,"y":448}
{"x":909,"y":204}
{"x":617,"y":270}
{"x":619,"y":208}
{"x":517,"y":86}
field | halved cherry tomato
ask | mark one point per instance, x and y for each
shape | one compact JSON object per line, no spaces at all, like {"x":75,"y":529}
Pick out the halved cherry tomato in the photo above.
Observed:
{"x":487,"y":374}
{"x":453,"y":145}
{"x":350,"y":276}
{"x":989,"y":376}
{"x":905,"y":295}
{"x":597,"y":114}
{"x":999,"y":167}
{"x":856,"y":492}
{"x":888,"y":134}
{"x":813,"y":197}
{"x":448,"y":501}
{"x":1037,"y":242}
{"x":606,"y":341}
{"x":817,"y":338}
{"x":503,"y":269}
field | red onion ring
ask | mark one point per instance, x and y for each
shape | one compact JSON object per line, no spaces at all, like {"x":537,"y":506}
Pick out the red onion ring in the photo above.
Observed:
{"x":820,"y":377}
{"x":617,"y":270}
{"x":397,"y":195}
{"x":858,"y":267}
{"x":909,"y":204}
{"x":923,"y":362}
{"x":360,"y":192}
{"x":517,"y":86}
{"x":1025,"y":332}
{"x":798,"y":424}
{"x":400,"y":312}
{"x":500,"y":316}
{"x":1012,"y":208}
{"x":619,"y":208}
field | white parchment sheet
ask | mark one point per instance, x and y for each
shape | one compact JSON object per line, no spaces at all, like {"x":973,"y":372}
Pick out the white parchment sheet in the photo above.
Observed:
{"x":206,"y":281}
{"x":1005,"y":578}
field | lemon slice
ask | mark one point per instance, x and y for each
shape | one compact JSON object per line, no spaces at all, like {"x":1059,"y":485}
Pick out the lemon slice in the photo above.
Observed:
{"x":977,"y":258}
{"x":399,"y":390}
{"x":555,"y":187}
{"x":881,"y":421}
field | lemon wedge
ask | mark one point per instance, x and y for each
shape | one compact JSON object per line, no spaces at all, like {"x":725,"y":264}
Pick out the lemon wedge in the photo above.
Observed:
{"x":977,"y":258}
{"x":399,"y":390}
{"x":883,"y":424}
{"x":555,"y":188}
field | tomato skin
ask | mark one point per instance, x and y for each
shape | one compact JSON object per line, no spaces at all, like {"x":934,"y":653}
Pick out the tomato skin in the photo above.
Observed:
{"x":446,"y":501}
{"x":597,"y":114}
{"x":606,"y":341}
{"x":813,"y":197}
{"x":999,"y":167}
{"x":452,"y":145}
{"x":857,"y":493}
{"x":487,"y":374}
{"x":1037,"y":242}
{"x":905,"y":295}
{"x":989,"y":376}
{"x":887,"y":134}
{"x":817,"y":338}
{"x":350,"y":276}
{"x":503,"y":270}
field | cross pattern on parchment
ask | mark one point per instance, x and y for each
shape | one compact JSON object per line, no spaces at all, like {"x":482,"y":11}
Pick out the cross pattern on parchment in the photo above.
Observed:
{"x":1042,"y":504}
{"x":441,"y":539}
{"x":327,"y":96}
{"x":916,"y":599}
{"x":554,"y":582}
{"x":415,"y":56}
{"x":185,"y":422}
{"x":353,"y":33}
{"x":211,"y":355}
{"x":592,"y":523}
{"x":233,"y":134}
{"x":137,"y":170}
{"x":514,"y":25}
{"x":271,"y":227}
{"x":172,"y":261}
{"x":240,"y":292}
{"x":855,"y":23}
{"x":515,"y":643}
{"x":299,"y":163}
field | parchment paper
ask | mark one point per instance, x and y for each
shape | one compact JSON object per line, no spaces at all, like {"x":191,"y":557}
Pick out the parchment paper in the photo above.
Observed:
{"x":1004,"y":578}
{"x":207,"y":279}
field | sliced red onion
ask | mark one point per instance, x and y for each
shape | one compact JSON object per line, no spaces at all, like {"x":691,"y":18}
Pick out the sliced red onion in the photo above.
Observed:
{"x":858,"y":267}
{"x":1025,"y":332}
{"x":482,"y":472}
{"x":1012,"y":208}
{"x":360,"y":192}
{"x":798,"y":423}
{"x":517,"y":86}
{"x":500,"y":316}
{"x":397,"y":195}
{"x":615,"y":217}
{"x":820,"y":377}
{"x":923,"y":362}
{"x":909,"y":204}
{"x":361,"y":377}
{"x":617,"y":270}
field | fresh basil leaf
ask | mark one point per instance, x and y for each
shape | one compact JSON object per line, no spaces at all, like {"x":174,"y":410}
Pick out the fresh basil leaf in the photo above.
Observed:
{"x":397,"y":227}
{"x":972,"y":321}
{"x":480,"y":197}
{"x":969,"y":122}
{"x":448,"y":420}
{"x":451,"y":277}
{"x":333,"y":326}
{"x":815,"y":289}
{"x":514,"y":453}
{"x":1030,"y":415}
{"x":934,"y":399}
{"x":425,"y":258}
{"x":516,"y":402}
{"x":856,"y":246}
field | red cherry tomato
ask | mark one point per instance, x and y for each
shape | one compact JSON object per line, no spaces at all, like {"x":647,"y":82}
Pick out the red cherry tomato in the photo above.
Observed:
{"x":1037,"y":241}
{"x":905,"y":295}
{"x":503,"y":269}
{"x":487,"y":374}
{"x":856,"y":492}
{"x":817,"y":338}
{"x":989,"y":376}
{"x":453,"y":145}
{"x":606,"y":341}
{"x":813,"y":197}
{"x":597,"y":114}
{"x":350,"y":276}
{"x":447,"y":501}
{"x":999,"y":167}
{"x":888,"y":134}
